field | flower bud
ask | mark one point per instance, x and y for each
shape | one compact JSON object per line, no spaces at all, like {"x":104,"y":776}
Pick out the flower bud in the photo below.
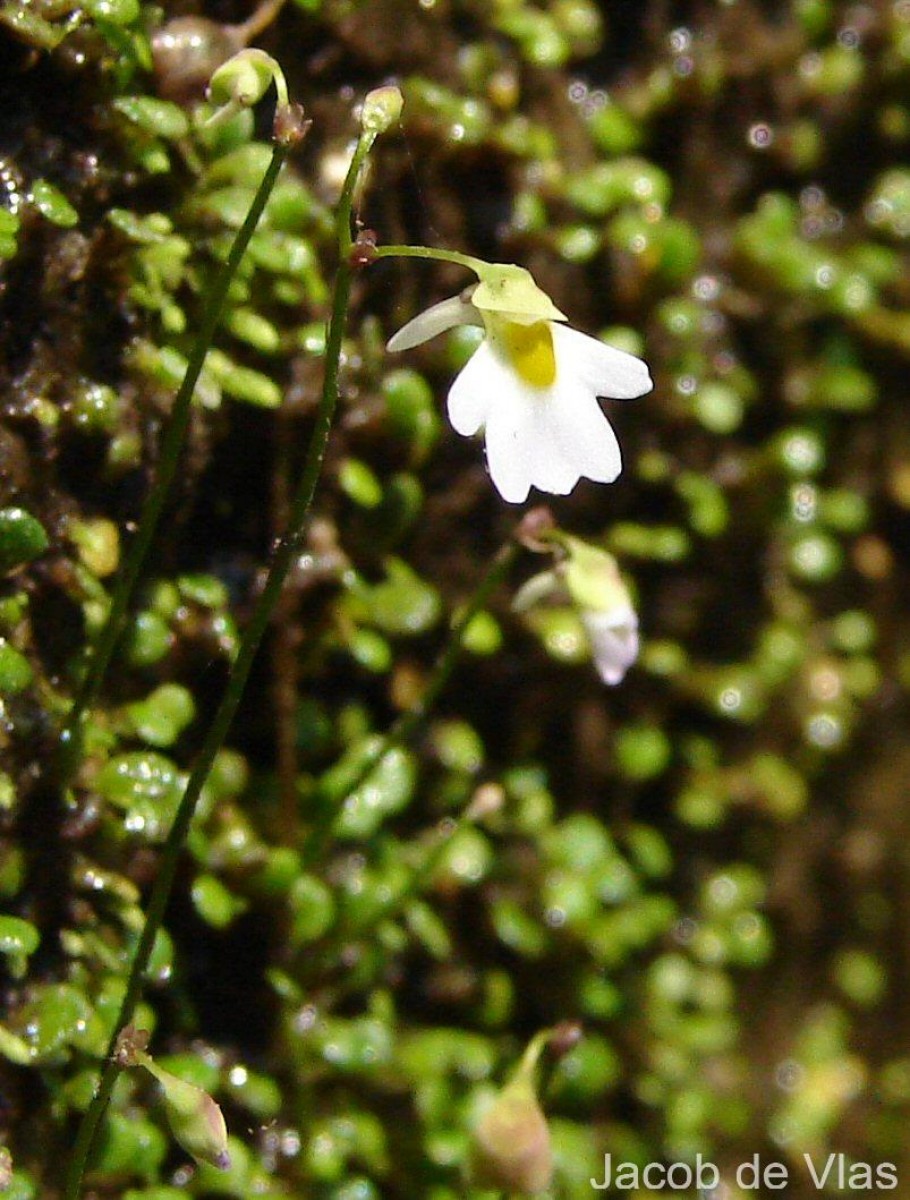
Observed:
{"x":487,"y":800}
{"x":512,"y":1149}
{"x":604,"y":605}
{"x":564,"y":1037}
{"x":130,"y":1046}
{"x":381,"y":110}
{"x":614,"y":641}
{"x":534,"y":528}
{"x":588,"y":579}
{"x":511,"y":1141}
{"x":242,"y":81}
{"x":6,"y":1168}
{"x":195,"y":1119}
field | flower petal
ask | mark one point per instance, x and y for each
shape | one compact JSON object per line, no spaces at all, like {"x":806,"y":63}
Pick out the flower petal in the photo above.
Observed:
{"x":614,"y":641}
{"x":550,"y":471}
{"x":515,"y":451}
{"x":433,"y":321}
{"x":546,"y":438}
{"x":541,"y":587}
{"x":583,"y":434}
{"x":476,"y":390}
{"x":522,"y":450}
{"x":604,"y":369}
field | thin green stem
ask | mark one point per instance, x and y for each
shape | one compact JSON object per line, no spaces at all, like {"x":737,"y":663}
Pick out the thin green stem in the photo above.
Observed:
{"x":171,"y":445}
{"x":284,"y":556}
{"x":346,"y":202}
{"x":476,"y":265}
{"x":406,"y":725}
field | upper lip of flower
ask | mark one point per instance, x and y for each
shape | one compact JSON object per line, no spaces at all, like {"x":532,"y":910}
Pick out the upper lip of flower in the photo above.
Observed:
{"x":457,"y":310}
{"x":543,"y":425}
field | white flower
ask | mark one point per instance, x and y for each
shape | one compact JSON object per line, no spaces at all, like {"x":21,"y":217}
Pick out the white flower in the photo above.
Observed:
{"x":588,"y":579}
{"x":531,"y":385}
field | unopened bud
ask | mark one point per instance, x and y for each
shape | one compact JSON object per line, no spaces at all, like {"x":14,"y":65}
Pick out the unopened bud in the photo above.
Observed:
{"x":603,"y":602}
{"x":242,"y":81}
{"x":6,"y":1168}
{"x":381,"y":110}
{"x":588,"y":579}
{"x":363,"y":252}
{"x":130,"y":1046}
{"x":487,"y":800}
{"x":613,"y":635}
{"x":511,"y":1146}
{"x":564,"y":1037}
{"x":195,"y":1119}
{"x":512,"y":1149}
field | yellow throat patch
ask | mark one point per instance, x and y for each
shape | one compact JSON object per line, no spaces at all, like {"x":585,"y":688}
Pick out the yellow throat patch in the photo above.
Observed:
{"x":530,"y":351}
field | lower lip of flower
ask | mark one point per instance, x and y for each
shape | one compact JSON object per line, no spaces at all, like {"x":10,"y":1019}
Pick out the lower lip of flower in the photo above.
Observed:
{"x":529,"y":349}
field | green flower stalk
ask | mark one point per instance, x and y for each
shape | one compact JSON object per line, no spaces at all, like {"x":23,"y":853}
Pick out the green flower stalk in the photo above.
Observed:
{"x":283,"y":558}
{"x":103,"y":647}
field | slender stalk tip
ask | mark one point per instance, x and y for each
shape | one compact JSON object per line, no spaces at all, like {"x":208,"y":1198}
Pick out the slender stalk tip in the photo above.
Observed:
{"x":381,"y":110}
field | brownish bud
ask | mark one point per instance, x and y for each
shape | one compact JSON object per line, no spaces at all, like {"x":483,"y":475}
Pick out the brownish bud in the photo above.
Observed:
{"x":511,"y":1149}
{"x":533,"y":529}
{"x":290,"y":126}
{"x":130,"y":1046}
{"x":6,"y":1168}
{"x":488,"y":799}
{"x":564,"y":1037}
{"x":363,"y":252}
